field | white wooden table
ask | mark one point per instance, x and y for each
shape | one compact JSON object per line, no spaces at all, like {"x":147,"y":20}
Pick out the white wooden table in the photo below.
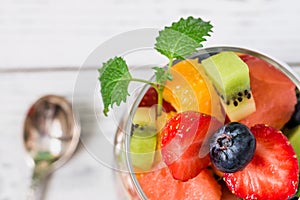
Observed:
{"x":44,"y":43}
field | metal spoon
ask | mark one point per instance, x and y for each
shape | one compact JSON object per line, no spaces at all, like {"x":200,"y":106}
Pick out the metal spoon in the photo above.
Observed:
{"x":51,"y":135}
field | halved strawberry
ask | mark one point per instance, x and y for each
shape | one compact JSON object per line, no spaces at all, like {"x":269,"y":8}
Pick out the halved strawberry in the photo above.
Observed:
{"x":182,"y":143}
{"x":273,"y":171}
{"x":150,"y":99}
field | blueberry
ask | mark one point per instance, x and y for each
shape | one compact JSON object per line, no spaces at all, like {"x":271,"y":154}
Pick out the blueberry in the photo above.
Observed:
{"x":232,"y":147}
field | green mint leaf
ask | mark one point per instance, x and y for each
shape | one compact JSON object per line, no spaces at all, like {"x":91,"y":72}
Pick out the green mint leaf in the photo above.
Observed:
{"x":114,"y":79}
{"x":169,"y":76}
{"x":162,"y":75}
{"x":182,"y":38}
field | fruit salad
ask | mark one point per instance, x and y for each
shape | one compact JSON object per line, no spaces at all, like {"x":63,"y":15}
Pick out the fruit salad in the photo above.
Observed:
{"x":228,"y":131}
{"x":215,"y":123}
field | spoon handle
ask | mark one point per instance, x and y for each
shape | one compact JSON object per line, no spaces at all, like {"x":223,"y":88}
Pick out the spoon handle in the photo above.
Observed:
{"x":34,"y":193}
{"x":38,"y":183}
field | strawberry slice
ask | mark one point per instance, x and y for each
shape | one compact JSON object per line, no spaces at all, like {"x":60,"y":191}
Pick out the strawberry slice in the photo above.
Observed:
{"x":182,"y":143}
{"x":150,"y":99}
{"x":273,"y":171}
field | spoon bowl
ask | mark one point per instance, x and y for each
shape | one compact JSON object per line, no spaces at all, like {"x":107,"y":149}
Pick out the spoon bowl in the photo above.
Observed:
{"x":51,"y":135}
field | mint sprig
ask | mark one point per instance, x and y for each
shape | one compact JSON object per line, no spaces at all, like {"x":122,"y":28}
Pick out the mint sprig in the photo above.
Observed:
{"x":178,"y":41}
{"x":182,"y":38}
{"x":161,"y":75}
{"x":114,"y":79}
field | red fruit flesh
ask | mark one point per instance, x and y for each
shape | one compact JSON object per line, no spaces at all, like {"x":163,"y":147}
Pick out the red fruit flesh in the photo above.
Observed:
{"x":189,"y":165}
{"x":273,"y":92}
{"x":203,"y":186}
{"x":182,"y":143}
{"x":151,"y":98}
{"x":273,"y":171}
{"x":161,"y":185}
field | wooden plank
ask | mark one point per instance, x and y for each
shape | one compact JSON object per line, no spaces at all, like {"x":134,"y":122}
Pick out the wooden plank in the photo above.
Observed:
{"x":84,"y":176}
{"x":63,"y":33}
{"x":87,"y":175}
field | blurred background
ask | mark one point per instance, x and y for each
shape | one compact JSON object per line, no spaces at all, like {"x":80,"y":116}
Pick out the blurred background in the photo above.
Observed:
{"x":63,"y":33}
{"x":43,"y":43}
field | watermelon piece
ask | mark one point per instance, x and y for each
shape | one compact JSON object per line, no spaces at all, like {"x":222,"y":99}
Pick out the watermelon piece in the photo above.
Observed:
{"x":203,"y":186}
{"x":160,"y":185}
{"x":273,"y":92}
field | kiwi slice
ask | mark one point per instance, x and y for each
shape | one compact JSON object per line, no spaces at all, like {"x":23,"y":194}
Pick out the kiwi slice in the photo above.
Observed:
{"x":143,"y":140}
{"x":145,"y":116}
{"x":230,"y":77}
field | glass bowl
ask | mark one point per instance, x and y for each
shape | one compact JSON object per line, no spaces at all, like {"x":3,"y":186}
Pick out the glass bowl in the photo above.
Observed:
{"x":122,"y":139}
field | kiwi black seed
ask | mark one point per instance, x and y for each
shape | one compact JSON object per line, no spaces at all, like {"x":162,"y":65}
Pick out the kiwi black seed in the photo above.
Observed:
{"x":235,"y":103}
{"x":249,"y":96}
{"x":239,"y":98}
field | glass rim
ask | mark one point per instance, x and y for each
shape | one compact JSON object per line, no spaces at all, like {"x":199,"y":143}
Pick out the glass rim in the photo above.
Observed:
{"x":282,"y":66}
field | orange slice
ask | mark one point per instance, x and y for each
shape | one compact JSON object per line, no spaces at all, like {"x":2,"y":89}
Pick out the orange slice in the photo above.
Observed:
{"x":190,"y":89}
